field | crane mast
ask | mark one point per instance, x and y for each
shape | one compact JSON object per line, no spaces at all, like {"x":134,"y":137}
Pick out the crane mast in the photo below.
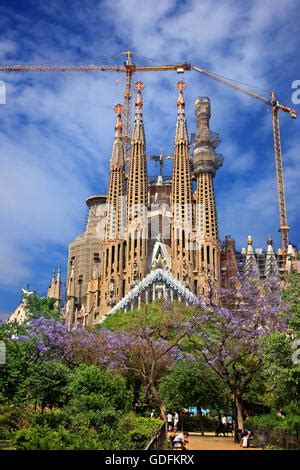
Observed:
{"x":276,"y":106}
{"x":284,"y":228}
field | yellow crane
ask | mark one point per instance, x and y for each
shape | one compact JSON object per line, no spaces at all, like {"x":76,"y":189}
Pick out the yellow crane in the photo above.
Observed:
{"x":276,"y":107}
{"x":129,"y":68}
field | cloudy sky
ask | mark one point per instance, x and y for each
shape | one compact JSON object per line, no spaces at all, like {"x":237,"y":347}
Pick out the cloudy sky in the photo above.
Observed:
{"x":56,"y":129}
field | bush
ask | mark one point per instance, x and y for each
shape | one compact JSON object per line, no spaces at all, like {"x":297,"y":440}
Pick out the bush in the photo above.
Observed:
{"x":44,"y":438}
{"x":289,"y":423}
{"x":96,"y":419}
{"x":138,"y":430}
{"x":92,"y":387}
{"x":13,"y":418}
{"x":53,"y":419}
{"x":131,"y":433}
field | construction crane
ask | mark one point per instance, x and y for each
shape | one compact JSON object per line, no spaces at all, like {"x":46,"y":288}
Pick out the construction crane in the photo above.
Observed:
{"x":276,"y":107}
{"x":129,"y":68}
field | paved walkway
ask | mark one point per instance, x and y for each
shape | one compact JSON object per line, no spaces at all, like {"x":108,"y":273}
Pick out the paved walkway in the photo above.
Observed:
{"x":198,"y":442}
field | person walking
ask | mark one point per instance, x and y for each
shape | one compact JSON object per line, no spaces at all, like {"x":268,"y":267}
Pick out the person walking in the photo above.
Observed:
{"x":176,"y":420}
{"x":170,"y":422}
{"x":221,"y":428}
{"x":181,"y":441}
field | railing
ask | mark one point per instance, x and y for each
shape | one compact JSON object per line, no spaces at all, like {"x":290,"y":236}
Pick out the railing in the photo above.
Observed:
{"x":279,"y":439}
{"x":5,"y":445}
{"x":158,"y":441}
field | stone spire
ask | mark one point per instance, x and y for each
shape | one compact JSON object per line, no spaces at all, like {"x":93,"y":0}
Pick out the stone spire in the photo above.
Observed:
{"x":251,"y":267}
{"x":271,"y":266}
{"x":114,"y":242}
{"x":70,"y":292}
{"x":206,"y":162}
{"x":137,"y":198}
{"x":54,"y":290}
{"x":115,"y":205}
{"x":70,"y":308}
{"x":182,"y":197}
{"x":137,"y":177}
{"x":290,"y":259}
{"x":51,"y":287}
{"x":58,"y":293}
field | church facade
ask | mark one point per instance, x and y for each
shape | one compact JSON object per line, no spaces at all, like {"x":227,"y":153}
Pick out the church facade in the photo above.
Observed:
{"x":147,"y":240}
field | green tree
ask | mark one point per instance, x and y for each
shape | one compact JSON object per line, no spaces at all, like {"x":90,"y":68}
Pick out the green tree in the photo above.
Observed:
{"x":37,"y":307}
{"x":93,"y":387}
{"x":291,"y":295}
{"x":15,"y":371}
{"x":230,"y":334}
{"x":151,"y":346}
{"x":280,"y":374}
{"x":48,"y":384}
{"x":194,"y":384}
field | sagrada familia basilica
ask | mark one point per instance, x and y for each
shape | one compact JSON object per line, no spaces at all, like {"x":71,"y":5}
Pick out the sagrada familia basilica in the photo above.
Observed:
{"x":147,"y":240}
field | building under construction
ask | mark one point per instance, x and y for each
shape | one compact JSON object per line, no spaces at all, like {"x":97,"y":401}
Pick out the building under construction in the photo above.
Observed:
{"x":148,"y":240}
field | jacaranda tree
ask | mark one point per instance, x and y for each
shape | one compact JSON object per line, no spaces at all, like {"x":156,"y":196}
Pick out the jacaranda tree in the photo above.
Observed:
{"x":230,"y":333}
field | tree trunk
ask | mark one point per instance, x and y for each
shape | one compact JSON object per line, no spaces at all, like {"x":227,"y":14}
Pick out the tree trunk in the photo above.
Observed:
{"x":201,"y":421}
{"x":239,"y":410}
{"x":157,"y":398}
{"x":43,"y":407}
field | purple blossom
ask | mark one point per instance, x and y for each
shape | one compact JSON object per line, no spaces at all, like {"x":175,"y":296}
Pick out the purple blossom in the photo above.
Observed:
{"x":22,"y":338}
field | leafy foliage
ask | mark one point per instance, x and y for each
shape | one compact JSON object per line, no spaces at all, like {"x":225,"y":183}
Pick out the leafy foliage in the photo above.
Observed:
{"x":14,"y":373}
{"x":291,"y":294}
{"x":88,"y":381}
{"x":280,"y":374}
{"x":47,"y":384}
{"x":92,"y":387}
{"x":230,"y":333}
{"x":272,"y":421}
{"x":37,"y":307}
{"x":191,"y":383}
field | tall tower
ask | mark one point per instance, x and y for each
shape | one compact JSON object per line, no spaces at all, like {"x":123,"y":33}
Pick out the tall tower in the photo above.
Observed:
{"x":182,"y":197}
{"x":54,"y":290}
{"x":137,"y":199}
{"x":70,"y":307}
{"x":271,"y":266}
{"x":206,"y":162}
{"x":251,"y":269}
{"x":114,"y":243}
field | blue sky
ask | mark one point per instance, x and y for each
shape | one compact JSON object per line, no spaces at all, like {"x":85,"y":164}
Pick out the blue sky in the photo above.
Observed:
{"x":56,"y":130}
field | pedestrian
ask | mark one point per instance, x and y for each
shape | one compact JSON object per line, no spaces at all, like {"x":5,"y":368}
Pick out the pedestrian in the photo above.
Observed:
{"x":181,"y":441}
{"x":176,"y":420}
{"x":221,"y":427}
{"x":245,"y":435}
{"x":170,"y":422}
{"x":224,"y":424}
